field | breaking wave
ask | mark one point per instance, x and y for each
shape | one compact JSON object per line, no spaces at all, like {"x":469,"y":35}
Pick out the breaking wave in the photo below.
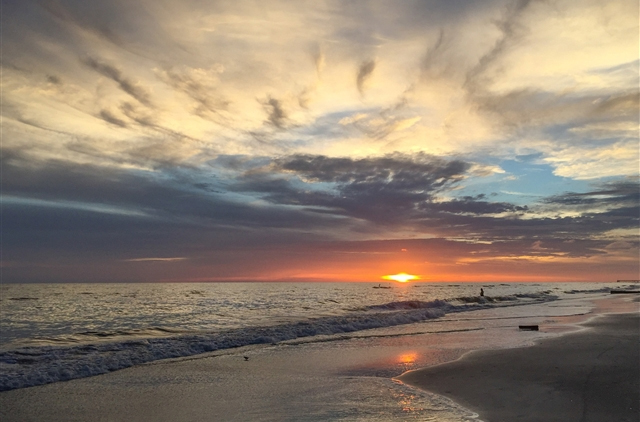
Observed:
{"x":30,"y":366}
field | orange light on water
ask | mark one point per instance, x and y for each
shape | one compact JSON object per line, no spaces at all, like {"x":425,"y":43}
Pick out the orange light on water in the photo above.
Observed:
{"x":401,"y":277}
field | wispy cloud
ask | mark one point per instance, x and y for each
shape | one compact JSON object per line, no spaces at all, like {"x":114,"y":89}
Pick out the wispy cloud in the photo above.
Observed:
{"x":172,"y":259}
{"x":364,"y":73}
{"x":132,"y":88}
{"x":275,"y":112}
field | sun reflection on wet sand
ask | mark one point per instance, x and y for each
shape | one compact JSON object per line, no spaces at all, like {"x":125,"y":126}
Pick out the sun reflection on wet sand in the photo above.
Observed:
{"x":407,"y":358}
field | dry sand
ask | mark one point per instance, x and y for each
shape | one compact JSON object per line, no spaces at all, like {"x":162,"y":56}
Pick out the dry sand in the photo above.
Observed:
{"x":591,"y":375}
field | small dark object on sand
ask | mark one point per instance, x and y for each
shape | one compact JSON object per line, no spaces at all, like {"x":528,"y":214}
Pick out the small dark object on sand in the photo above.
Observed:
{"x":246,"y":358}
{"x":625,"y":291}
{"x":528,"y":327}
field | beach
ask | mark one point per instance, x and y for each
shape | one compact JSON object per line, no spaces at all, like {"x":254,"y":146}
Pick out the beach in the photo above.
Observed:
{"x":352,"y":377}
{"x":591,"y":375}
{"x":319,"y":211}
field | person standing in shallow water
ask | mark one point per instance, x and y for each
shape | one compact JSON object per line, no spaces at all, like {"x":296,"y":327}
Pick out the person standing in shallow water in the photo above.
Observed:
{"x":481,"y":292}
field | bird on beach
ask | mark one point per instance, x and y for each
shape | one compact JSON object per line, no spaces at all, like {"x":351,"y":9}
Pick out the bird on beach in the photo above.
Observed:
{"x":246,"y":358}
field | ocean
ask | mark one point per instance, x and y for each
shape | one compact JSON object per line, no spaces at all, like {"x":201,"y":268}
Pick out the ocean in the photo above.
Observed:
{"x":58,"y":332}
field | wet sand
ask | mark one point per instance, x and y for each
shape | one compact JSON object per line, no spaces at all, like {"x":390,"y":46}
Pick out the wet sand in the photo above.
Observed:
{"x":591,"y":375}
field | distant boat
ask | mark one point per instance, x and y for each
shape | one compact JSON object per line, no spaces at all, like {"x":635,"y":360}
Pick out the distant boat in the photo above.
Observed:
{"x":380,"y":286}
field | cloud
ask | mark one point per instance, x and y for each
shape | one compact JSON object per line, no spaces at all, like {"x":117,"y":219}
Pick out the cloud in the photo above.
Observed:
{"x":352,"y":119}
{"x":475,"y":205}
{"x":216,"y":75}
{"x":386,"y":190}
{"x":136,"y":90}
{"x":618,"y":192}
{"x":166,"y":196}
{"x":202,"y":86}
{"x":365,"y":70}
{"x":295,"y":200}
{"x":138,"y":115}
{"x":54,"y":79}
{"x":318,"y":57}
{"x":275,"y":111}
{"x":109,"y":117}
{"x":395,"y":170}
{"x":621,"y":245}
{"x":219,"y":128}
{"x":512,"y":30}
{"x":380,"y":125}
{"x":436,"y":64}
{"x":537,"y":246}
{"x":410,"y":191}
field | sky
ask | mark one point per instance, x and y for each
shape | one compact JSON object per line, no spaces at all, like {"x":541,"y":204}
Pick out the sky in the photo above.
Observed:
{"x":205,"y":140}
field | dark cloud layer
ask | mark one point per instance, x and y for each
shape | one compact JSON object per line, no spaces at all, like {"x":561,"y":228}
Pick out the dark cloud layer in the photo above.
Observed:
{"x":407,"y":191}
{"x":396,"y":171}
{"x":616,"y":193}
{"x":475,"y":205}
{"x":385,"y":189}
{"x":173,"y":198}
{"x":89,"y":213}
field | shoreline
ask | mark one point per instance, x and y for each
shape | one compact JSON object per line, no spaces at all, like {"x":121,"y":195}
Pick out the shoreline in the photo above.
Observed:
{"x":589,"y":375}
{"x":343,"y":379}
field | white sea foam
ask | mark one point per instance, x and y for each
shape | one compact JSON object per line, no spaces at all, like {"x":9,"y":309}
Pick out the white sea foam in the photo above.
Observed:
{"x":30,"y":366}
{"x":606,"y":289}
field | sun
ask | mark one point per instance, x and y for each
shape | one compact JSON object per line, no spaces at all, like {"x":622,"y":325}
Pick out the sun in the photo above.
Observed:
{"x":401,"y":277}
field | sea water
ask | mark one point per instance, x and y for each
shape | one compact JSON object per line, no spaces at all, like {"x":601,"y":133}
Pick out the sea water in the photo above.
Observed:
{"x":57,"y":332}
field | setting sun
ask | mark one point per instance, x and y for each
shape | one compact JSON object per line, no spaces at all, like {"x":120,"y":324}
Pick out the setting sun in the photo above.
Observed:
{"x":401,"y":277}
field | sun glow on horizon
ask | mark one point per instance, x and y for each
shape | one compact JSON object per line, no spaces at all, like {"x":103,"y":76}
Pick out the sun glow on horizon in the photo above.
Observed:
{"x":401,"y":277}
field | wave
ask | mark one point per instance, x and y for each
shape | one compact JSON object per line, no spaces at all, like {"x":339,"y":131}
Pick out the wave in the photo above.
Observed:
{"x":603,"y":289}
{"x":85,"y":337}
{"x":410,"y":304}
{"x":479,"y":300}
{"x":30,"y":366}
